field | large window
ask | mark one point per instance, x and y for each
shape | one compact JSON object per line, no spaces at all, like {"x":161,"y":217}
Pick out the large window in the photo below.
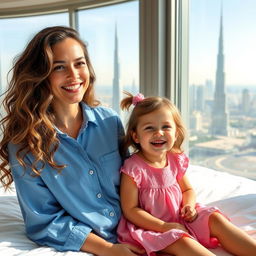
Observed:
{"x":222,"y":85}
{"x":222,"y":56}
{"x":112,"y":35}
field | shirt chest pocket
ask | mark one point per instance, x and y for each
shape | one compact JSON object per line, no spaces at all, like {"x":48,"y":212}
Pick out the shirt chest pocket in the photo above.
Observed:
{"x":110,"y":164}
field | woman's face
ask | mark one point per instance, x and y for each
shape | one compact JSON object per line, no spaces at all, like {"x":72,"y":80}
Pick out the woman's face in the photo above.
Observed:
{"x":70,"y":75}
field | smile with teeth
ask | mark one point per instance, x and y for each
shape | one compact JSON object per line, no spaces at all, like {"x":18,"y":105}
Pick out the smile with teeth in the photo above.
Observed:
{"x":72,"y":87}
{"x":158,"y":143}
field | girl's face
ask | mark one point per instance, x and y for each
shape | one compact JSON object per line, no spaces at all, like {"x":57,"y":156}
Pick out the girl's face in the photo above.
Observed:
{"x":70,"y":76}
{"x":156,"y":133}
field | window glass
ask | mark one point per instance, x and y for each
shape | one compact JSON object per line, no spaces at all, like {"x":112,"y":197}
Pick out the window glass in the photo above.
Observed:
{"x":222,"y":85}
{"x":112,"y":37}
{"x":15,"y":34}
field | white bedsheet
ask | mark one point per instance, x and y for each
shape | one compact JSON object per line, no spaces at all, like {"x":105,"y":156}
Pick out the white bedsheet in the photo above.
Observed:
{"x":235,"y":196}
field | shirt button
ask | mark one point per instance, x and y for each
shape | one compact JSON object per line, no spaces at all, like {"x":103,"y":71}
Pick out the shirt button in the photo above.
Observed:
{"x":111,"y":214}
{"x":91,"y":172}
{"x":99,"y":195}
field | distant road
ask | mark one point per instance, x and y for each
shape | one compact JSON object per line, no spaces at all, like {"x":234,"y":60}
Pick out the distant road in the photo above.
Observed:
{"x":242,"y":163}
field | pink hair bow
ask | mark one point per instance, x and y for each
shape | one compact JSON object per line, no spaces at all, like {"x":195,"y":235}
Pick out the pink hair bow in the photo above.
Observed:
{"x":137,"y":98}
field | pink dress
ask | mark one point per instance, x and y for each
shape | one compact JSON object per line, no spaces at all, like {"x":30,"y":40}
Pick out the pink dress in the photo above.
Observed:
{"x":160,"y":195}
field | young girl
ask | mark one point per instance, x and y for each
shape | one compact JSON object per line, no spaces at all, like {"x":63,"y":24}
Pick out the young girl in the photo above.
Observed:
{"x":61,"y":148}
{"x":158,"y":202}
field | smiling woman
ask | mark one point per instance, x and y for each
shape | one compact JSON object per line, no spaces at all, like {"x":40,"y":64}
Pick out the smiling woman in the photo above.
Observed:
{"x":64,"y":184}
{"x":69,"y":81}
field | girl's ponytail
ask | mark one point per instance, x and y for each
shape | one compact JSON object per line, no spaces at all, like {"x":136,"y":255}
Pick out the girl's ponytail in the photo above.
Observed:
{"x":127,"y":101}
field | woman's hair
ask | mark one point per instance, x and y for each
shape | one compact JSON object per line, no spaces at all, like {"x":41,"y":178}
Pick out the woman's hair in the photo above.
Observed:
{"x":146,"y":106}
{"x":29,"y":117}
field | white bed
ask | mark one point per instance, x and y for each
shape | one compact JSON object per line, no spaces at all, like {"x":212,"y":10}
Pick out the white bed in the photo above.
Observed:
{"x":235,"y":196}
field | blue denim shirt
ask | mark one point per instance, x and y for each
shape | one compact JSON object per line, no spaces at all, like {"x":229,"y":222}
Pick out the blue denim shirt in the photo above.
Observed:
{"x":61,"y":209}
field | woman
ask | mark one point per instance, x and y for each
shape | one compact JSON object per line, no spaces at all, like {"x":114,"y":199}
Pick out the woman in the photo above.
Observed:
{"x":61,"y":148}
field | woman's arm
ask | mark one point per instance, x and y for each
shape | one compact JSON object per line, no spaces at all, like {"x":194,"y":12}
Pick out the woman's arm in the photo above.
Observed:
{"x":188,"y":211}
{"x":136,"y":215}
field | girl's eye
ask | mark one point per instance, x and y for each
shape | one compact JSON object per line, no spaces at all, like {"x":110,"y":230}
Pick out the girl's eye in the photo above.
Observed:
{"x":148,"y":128}
{"x":167,"y":127}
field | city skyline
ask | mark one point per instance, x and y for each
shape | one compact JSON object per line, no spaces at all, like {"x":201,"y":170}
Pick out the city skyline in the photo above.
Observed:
{"x":240,"y":41}
{"x":223,"y":119}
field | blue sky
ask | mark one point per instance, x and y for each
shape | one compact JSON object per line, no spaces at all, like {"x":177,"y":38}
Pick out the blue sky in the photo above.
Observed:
{"x":239,"y":22}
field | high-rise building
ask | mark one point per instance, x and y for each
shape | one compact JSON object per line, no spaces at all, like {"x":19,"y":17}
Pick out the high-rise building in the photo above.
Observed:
{"x":116,"y":77}
{"x":200,"y":98}
{"x":195,"y":121}
{"x":209,"y":89}
{"x":219,"y":124}
{"x":192,"y":98}
{"x":246,"y":101}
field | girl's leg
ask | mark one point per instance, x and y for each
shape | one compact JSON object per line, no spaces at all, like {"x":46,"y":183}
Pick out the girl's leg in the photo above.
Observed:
{"x":187,"y":246}
{"x":233,"y":239}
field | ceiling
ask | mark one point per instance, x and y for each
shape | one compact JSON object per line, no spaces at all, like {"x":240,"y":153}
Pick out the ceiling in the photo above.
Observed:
{"x":8,"y":4}
{"x":9,"y":8}
{"x":12,"y":8}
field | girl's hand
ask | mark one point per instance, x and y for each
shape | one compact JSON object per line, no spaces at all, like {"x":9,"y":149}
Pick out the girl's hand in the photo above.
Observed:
{"x":124,"y":250}
{"x":188,"y":213}
{"x":173,"y":225}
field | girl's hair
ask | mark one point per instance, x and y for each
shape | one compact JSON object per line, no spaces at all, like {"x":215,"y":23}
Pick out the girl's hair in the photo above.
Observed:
{"x":29,"y":117}
{"x":146,"y":106}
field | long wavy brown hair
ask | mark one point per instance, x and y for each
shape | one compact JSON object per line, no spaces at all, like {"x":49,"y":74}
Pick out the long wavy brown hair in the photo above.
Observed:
{"x":146,"y":106}
{"x":29,"y":117}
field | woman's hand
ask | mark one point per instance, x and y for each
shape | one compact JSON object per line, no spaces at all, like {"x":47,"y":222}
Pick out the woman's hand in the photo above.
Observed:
{"x":173,"y":225}
{"x":99,"y":246}
{"x":188,"y":213}
{"x":123,"y":249}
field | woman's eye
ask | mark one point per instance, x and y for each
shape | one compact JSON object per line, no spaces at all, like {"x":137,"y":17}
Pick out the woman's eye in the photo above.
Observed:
{"x":80,"y":63}
{"x":58,"y":68}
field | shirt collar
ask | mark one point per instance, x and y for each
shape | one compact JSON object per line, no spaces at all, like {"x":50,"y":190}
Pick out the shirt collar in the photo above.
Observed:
{"x":88,"y":114}
{"x":88,"y":117}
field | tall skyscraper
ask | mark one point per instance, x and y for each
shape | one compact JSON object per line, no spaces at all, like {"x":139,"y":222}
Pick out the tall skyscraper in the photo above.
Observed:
{"x":219,"y":125}
{"x":200,"y":98}
{"x":116,"y":77}
{"x":209,"y":89}
{"x":192,"y":98}
{"x":246,"y":101}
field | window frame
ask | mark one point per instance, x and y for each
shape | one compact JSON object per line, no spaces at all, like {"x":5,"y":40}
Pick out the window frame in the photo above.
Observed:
{"x":164,"y":42}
